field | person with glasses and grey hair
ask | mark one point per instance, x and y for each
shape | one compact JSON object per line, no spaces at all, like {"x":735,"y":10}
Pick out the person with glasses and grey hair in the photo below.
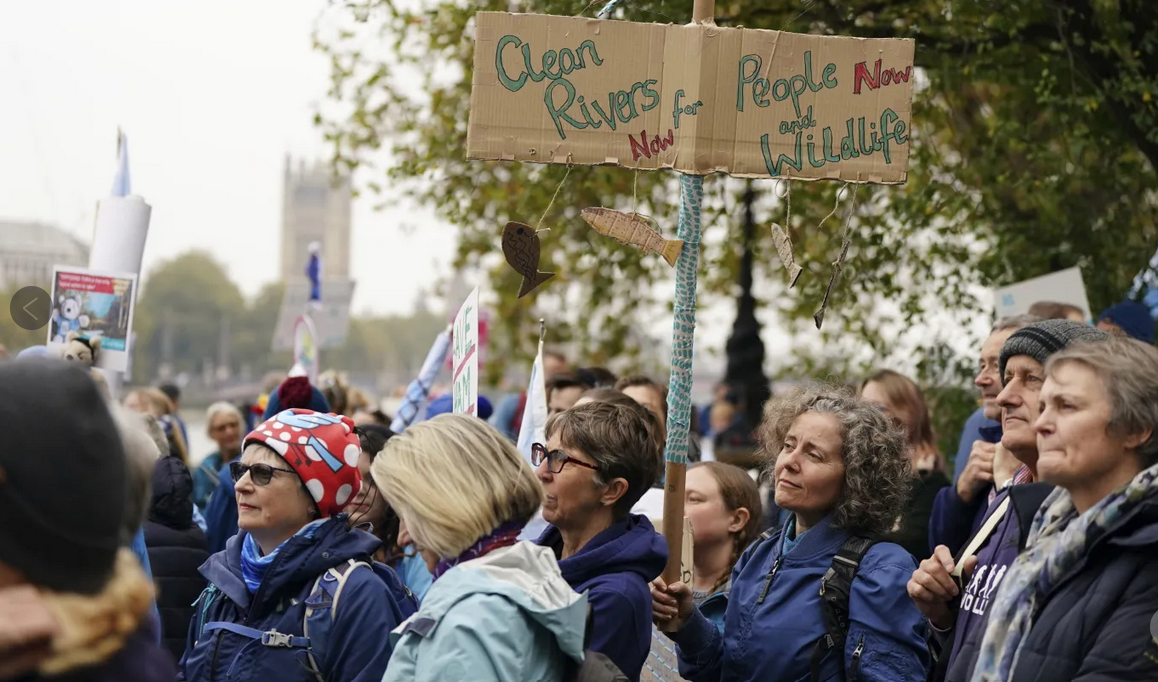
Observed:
{"x":294,"y":596}
{"x":598,"y":461}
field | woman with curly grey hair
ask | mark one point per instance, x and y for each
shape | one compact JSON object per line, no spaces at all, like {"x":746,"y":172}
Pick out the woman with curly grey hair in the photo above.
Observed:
{"x":841,"y":468}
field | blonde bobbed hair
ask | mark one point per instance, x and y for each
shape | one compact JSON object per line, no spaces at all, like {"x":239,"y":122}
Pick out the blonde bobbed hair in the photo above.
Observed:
{"x":454,"y":479}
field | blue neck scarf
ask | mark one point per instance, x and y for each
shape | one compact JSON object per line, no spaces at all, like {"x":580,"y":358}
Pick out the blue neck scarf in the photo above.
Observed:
{"x":254,"y":564}
{"x":791,"y":537}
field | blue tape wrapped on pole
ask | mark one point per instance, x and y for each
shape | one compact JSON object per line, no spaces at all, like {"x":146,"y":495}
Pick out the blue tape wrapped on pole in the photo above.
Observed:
{"x":679,"y":397}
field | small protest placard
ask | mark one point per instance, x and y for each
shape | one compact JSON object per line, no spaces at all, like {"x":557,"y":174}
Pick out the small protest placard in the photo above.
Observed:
{"x":465,"y":356}
{"x":95,"y":304}
{"x":1063,"y":286}
{"x":698,"y":98}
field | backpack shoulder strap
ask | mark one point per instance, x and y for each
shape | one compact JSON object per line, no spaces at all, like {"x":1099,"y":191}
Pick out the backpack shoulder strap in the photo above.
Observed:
{"x":330,"y":584}
{"x":325,"y":592}
{"x":835,"y":591}
{"x":204,"y":601}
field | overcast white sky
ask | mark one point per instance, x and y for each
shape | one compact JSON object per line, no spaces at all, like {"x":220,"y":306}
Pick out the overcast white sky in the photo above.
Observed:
{"x":212,"y":95}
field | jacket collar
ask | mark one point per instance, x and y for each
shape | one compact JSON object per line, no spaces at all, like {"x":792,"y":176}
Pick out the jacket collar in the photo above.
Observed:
{"x":823,"y":538}
{"x":299,"y":561}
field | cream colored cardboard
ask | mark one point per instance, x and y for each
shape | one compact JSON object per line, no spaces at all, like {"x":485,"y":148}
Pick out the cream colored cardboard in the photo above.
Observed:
{"x":697,"y":99}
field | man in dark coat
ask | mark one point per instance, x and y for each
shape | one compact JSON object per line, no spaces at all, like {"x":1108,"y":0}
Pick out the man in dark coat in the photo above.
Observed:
{"x":177,"y":548}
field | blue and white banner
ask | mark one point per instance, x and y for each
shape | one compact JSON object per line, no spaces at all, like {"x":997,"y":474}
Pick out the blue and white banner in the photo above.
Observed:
{"x":413,"y":406}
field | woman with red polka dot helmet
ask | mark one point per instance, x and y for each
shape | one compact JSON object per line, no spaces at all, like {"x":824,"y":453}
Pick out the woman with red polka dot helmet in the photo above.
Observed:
{"x":294,"y":595}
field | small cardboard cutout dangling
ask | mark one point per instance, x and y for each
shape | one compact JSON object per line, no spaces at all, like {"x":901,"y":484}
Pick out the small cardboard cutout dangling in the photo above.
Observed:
{"x":521,"y":249}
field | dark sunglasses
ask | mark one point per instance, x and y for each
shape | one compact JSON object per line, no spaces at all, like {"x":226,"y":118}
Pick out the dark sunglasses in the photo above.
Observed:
{"x":556,"y":459}
{"x":260,"y":474}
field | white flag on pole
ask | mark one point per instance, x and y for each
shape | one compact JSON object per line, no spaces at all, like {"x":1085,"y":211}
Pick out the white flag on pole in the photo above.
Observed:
{"x":534,"y":430}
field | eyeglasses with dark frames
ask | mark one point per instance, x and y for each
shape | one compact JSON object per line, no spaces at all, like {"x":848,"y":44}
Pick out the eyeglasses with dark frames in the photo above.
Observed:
{"x":260,"y":474}
{"x":556,"y":459}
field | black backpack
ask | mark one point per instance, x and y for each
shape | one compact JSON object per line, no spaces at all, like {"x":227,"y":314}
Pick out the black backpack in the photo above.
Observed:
{"x":835,"y":590}
{"x":595,"y":667}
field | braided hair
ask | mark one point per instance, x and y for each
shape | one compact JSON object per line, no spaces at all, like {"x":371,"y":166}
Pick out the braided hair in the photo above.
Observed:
{"x":739,"y":491}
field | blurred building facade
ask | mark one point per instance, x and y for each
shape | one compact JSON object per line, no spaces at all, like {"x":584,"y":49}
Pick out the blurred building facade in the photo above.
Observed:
{"x":28,"y":251}
{"x":316,"y":207}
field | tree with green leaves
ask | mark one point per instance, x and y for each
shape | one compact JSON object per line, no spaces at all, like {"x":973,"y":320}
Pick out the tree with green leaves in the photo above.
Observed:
{"x":183,"y":305}
{"x":1034,"y":145}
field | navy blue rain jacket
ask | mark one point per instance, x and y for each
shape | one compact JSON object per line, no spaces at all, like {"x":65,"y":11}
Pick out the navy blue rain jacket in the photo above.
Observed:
{"x":352,"y":646}
{"x":614,"y":570}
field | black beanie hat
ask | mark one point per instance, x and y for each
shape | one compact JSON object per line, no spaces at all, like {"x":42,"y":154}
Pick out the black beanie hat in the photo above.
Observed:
{"x":62,"y":476}
{"x":1042,"y":339}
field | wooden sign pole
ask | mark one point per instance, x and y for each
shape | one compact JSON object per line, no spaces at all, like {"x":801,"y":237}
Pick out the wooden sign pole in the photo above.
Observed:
{"x":682,"y":342}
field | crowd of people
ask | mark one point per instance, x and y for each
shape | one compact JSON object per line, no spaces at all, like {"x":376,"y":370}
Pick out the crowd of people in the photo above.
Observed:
{"x":316,"y":543}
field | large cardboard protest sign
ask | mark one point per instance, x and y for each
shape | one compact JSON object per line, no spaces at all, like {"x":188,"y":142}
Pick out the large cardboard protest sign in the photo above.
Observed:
{"x":698,"y":99}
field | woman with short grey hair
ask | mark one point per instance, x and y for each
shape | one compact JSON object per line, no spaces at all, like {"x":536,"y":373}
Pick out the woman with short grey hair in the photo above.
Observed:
{"x":599,"y":459}
{"x":1078,"y":603}
{"x":842,"y":469}
{"x":224,"y":424}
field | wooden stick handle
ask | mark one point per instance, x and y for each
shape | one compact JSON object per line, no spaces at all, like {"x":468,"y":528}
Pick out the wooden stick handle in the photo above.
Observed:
{"x":703,"y":10}
{"x":673,"y":518}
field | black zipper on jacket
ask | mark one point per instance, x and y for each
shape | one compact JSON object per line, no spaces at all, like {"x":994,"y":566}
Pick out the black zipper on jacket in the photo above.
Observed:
{"x":213,"y":661}
{"x":854,"y":668}
{"x":768,"y":580}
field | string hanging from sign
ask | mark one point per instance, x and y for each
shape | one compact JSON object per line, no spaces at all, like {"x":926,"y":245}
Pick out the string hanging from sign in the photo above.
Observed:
{"x":553,"y":197}
{"x":807,"y":9}
{"x":839,"y":263}
{"x":784,"y":191}
{"x":635,"y":194}
{"x":843,"y":189}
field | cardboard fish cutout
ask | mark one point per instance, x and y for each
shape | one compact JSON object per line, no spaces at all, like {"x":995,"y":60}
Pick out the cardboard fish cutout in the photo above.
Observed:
{"x":784,"y":246}
{"x":630,"y":228}
{"x":521,"y":249}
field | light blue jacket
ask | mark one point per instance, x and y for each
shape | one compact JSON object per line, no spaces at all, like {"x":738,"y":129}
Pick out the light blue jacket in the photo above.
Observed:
{"x":507,"y":615}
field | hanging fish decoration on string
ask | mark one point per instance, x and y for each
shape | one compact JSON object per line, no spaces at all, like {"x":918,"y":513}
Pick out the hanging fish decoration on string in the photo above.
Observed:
{"x":630,"y":228}
{"x":784,"y":245}
{"x":521,"y":249}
